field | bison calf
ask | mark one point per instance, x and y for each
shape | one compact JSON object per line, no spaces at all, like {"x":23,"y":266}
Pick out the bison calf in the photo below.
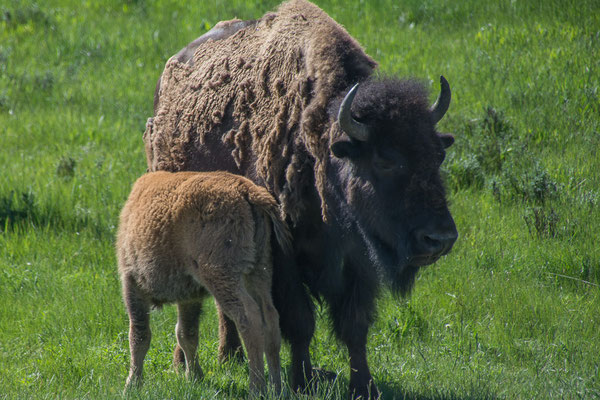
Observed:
{"x":184,"y":235}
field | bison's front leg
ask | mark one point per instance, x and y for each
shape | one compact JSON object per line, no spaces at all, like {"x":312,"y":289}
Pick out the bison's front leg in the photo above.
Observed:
{"x":296,"y":315}
{"x":352,"y":312}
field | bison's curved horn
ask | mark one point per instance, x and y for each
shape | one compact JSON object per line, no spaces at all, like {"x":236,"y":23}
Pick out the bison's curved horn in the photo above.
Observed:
{"x":353,"y":128}
{"x":439,"y":108}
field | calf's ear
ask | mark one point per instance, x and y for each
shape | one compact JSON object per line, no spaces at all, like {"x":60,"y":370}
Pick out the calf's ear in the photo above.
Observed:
{"x":447,"y":139}
{"x":344,"y":149}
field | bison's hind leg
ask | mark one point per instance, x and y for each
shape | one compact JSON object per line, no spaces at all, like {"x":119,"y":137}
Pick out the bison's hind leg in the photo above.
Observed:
{"x":186,"y":331}
{"x":138,"y":309}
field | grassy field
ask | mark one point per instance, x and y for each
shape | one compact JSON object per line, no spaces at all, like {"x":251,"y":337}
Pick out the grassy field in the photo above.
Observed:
{"x":513,"y":312}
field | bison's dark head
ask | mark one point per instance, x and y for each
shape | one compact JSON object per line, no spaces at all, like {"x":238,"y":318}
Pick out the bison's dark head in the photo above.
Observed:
{"x":387,"y":166}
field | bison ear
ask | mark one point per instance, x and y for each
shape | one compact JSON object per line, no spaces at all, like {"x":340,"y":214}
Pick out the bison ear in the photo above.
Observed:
{"x":344,"y":149}
{"x":447,"y":139}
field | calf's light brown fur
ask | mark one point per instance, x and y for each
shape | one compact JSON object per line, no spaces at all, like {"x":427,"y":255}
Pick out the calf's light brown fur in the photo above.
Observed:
{"x":185,"y":235}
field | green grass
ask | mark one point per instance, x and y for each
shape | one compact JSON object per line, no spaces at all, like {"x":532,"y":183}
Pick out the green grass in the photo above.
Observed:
{"x":512,"y":312}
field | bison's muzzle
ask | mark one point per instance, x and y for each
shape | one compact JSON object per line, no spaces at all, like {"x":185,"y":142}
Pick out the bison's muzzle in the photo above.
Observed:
{"x":430,"y":243}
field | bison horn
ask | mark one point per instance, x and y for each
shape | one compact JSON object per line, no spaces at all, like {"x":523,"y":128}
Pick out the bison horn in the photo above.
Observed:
{"x":352,"y":127}
{"x":439,"y":108}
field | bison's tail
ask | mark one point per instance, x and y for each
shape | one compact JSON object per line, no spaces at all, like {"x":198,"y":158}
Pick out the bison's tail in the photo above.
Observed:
{"x":262,"y":199}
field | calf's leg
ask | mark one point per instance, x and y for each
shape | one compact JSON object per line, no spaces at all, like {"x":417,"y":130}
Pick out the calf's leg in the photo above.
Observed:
{"x":224,"y":281}
{"x":258,"y":284}
{"x":138,"y":309}
{"x":230,"y":346}
{"x":243,"y":310}
{"x":296,"y":317}
{"x":186,"y":331}
{"x":272,"y":341}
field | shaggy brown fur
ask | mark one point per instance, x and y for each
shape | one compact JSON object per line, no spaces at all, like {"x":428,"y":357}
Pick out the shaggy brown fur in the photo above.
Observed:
{"x":184,"y":235}
{"x":242,"y":82}
{"x":220,"y":31}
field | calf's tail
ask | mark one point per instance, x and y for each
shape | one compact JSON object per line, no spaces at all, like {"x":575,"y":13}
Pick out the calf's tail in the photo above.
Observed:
{"x":262,"y":199}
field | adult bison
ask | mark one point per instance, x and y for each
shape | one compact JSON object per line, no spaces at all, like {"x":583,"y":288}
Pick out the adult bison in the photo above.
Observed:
{"x":355,"y":169}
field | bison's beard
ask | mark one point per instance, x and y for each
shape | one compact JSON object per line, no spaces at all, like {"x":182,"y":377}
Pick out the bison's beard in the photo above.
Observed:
{"x":404,"y":279}
{"x":395,"y":268}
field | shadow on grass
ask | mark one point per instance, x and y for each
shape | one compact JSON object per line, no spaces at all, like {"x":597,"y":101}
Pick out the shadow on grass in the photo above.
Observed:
{"x":390,"y":390}
{"x":21,"y":210}
{"x":324,"y":390}
{"x":15,"y":207}
{"x":338,"y":389}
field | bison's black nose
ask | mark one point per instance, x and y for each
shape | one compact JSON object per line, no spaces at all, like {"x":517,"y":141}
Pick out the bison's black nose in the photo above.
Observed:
{"x":435,"y":242}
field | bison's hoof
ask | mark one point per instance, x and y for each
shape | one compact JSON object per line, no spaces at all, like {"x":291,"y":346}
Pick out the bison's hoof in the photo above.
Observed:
{"x":318,"y":376}
{"x":365,"y":392}
{"x":324,"y":375}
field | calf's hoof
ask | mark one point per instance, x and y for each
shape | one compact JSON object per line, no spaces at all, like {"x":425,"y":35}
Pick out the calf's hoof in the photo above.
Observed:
{"x":178,"y":358}
{"x":133,"y":382}
{"x":231,"y":353}
{"x":194,"y":374}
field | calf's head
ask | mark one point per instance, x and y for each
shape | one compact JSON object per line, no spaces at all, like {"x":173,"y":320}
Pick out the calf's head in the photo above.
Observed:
{"x":387,"y":162}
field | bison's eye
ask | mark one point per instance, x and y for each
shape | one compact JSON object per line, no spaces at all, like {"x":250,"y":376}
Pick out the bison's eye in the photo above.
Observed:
{"x":384,"y":165}
{"x":387,"y":165}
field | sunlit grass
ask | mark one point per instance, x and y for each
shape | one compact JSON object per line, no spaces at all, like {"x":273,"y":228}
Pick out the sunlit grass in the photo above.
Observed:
{"x":512,"y":312}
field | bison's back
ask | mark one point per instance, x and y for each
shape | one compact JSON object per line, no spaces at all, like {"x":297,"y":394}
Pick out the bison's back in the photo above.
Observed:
{"x":255,"y":103}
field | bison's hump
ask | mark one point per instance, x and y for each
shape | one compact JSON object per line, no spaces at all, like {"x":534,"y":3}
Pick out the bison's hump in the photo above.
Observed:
{"x":260,"y":95}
